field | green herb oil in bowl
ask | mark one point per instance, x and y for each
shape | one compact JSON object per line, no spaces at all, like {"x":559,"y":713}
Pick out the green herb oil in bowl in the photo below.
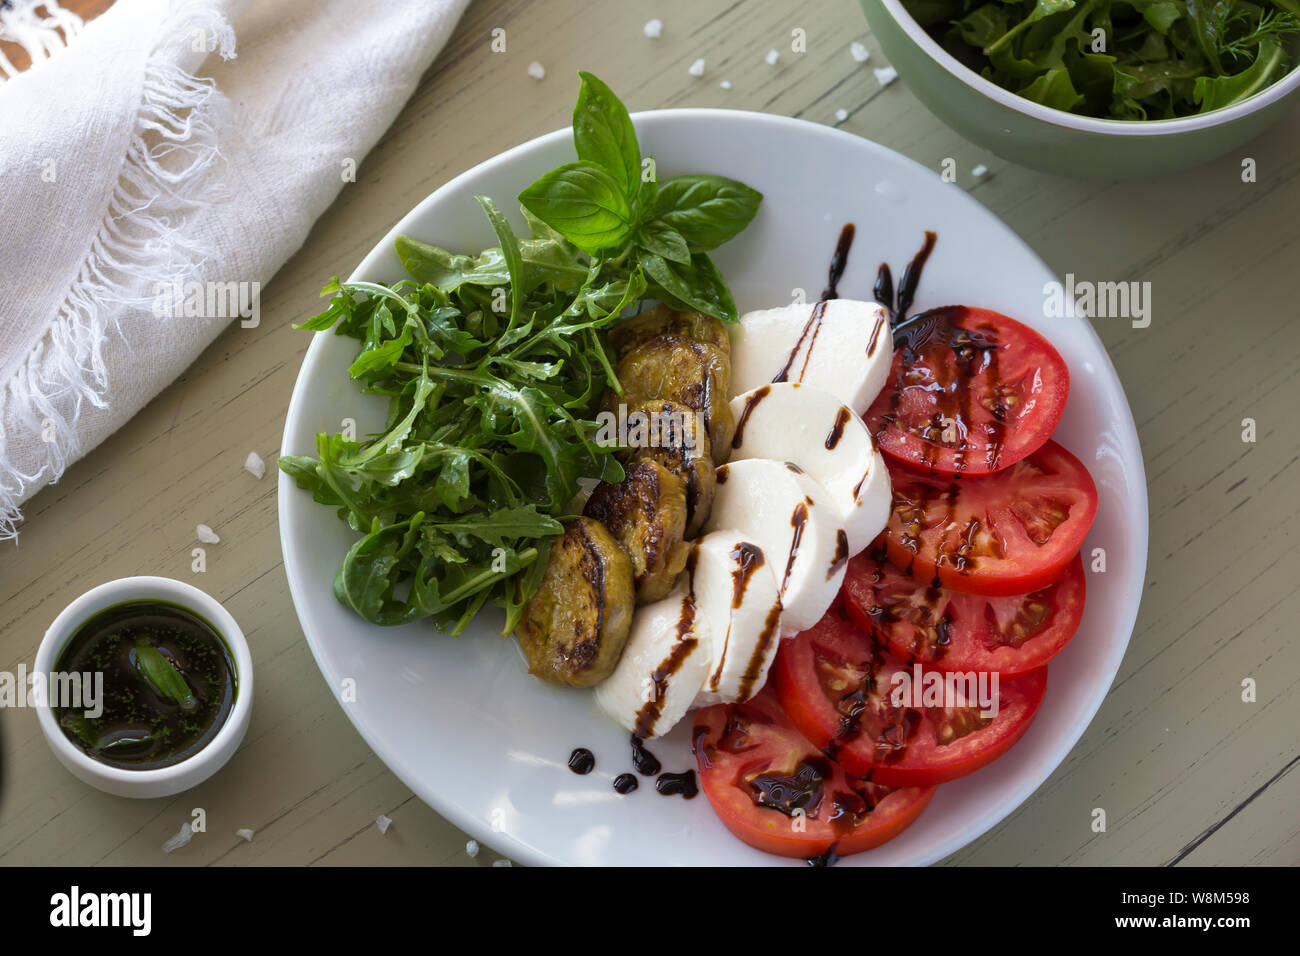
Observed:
{"x":169,"y":684}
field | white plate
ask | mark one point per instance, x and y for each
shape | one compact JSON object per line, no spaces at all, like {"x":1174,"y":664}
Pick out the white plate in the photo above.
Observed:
{"x":484,"y":744}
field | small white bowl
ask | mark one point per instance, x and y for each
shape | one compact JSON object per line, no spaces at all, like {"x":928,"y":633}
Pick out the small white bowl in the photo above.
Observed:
{"x":193,"y":770}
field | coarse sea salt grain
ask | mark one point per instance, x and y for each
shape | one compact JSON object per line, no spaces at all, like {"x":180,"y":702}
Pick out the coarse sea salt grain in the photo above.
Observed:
{"x":725,"y":84}
{"x":536,"y":70}
{"x":471,"y":848}
{"x":502,"y":863}
{"x":885,"y":75}
{"x":980,"y":171}
{"x":859,"y":53}
{"x":772,"y":57}
{"x":206,"y":534}
{"x":383,"y":823}
{"x":841,"y":115}
{"x":696,"y":68}
{"x":654,"y":28}
{"x":245,"y":834}
{"x":182,"y":837}
{"x":254,"y":465}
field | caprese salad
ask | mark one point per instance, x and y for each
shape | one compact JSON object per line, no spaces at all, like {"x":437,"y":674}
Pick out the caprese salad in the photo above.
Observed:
{"x":837,"y":531}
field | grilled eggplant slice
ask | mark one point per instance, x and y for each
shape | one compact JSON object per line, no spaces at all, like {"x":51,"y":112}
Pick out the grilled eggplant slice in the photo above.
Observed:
{"x":679,"y":442}
{"x":690,"y":373}
{"x":646,"y":513}
{"x":573,"y":629}
{"x":662,"y":320}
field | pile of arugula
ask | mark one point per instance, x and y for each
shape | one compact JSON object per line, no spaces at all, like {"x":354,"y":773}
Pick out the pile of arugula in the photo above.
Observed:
{"x":1119,"y":59}
{"x":494,"y":367}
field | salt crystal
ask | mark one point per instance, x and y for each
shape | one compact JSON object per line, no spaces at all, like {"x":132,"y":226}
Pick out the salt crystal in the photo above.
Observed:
{"x":502,"y":863}
{"x":536,"y":70}
{"x":885,"y":75}
{"x":980,"y":171}
{"x":254,"y":465}
{"x":383,"y":823}
{"x":772,"y":57}
{"x":246,"y":835}
{"x":859,"y":53}
{"x":471,"y":848}
{"x":725,"y":84}
{"x":696,"y":68}
{"x":653,"y":28}
{"x":841,"y":115}
{"x":182,"y":837}
{"x":206,"y":534}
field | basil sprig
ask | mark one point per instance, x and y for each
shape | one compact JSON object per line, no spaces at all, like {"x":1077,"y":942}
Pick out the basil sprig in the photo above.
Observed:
{"x":610,"y":205}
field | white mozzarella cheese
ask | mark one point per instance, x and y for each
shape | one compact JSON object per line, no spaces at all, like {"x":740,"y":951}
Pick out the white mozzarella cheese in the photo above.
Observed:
{"x":814,"y":429}
{"x":841,"y":345}
{"x":663,"y":667}
{"x":796,"y":523}
{"x":736,"y":596}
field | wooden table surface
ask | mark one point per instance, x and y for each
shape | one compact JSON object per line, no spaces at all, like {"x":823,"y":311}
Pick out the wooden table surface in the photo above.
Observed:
{"x":1184,"y":768}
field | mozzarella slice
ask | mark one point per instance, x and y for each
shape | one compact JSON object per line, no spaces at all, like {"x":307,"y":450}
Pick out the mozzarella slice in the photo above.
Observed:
{"x":841,"y":345}
{"x":736,"y":596}
{"x":820,"y":434}
{"x":794,"y":520}
{"x":664,"y":664}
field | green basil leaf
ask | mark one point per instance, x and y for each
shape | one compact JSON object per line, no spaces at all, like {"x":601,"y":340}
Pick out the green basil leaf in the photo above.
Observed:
{"x":162,"y":675}
{"x":697,"y":286}
{"x":706,"y":210}
{"x":663,"y":240}
{"x":603,"y":134}
{"x":583,"y":203}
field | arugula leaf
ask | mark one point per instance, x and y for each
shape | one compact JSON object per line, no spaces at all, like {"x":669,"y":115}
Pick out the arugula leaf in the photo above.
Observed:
{"x":706,"y":210}
{"x":1055,"y":89}
{"x":582,"y":202}
{"x":1042,"y":9}
{"x":1214,"y":93}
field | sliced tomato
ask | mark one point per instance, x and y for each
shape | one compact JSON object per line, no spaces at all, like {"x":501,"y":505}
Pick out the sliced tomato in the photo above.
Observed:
{"x":970,"y":392}
{"x":1009,"y":533}
{"x":841,"y":690}
{"x":952,"y":631}
{"x":777,"y":792}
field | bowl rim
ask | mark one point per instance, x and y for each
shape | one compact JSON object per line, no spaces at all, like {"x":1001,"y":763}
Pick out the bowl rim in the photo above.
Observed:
{"x":124,"y":591}
{"x":1073,"y":121}
{"x":470,"y":821}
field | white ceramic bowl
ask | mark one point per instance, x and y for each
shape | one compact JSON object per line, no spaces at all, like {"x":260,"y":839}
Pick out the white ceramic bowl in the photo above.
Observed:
{"x":161,"y":781}
{"x":461,"y":722}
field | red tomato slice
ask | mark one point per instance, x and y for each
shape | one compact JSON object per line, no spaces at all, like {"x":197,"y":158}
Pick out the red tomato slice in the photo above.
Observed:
{"x":780,"y":794}
{"x":838,"y":688}
{"x":970,"y":392}
{"x":952,"y":631}
{"x":1004,"y":534}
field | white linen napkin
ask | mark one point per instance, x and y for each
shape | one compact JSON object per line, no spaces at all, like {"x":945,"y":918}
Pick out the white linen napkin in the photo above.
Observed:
{"x":149,"y":177}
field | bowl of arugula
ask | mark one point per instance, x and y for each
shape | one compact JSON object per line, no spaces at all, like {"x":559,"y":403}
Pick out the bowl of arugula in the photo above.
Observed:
{"x":1098,"y":89}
